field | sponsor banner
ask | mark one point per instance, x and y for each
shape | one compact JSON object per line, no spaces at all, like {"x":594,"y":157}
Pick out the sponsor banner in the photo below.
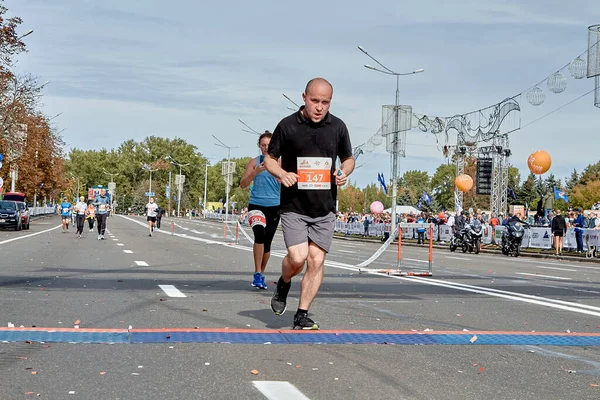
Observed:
{"x":444,"y":233}
{"x":539,"y":238}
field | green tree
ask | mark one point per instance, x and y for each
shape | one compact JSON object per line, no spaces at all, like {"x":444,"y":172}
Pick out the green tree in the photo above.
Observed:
{"x":442,"y":184}
{"x":585,"y":195}
{"x":350,"y":198}
{"x":590,"y":173}
{"x":572,"y":180}
{"x":413,"y":184}
{"x":527,"y":191}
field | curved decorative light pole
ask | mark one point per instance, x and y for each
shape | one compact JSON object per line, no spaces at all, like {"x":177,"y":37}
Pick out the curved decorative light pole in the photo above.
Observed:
{"x":395,"y":151}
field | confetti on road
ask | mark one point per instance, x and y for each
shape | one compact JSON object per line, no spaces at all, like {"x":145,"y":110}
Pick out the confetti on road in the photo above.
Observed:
{"x":480,"y":370}
{"x":254,"y":372}
{"x":473,"y":339}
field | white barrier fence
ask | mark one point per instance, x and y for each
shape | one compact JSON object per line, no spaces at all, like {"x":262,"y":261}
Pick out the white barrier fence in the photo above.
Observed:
{"x":34,"y":211}
{"x":538,"y":237}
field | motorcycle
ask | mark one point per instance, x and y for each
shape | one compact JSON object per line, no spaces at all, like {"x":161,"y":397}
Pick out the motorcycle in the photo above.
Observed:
{"x":512,"y":238}
{"x":468,"y":239}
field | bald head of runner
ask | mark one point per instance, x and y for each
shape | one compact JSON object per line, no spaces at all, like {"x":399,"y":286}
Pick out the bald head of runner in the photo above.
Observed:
{"x":317,"y":99}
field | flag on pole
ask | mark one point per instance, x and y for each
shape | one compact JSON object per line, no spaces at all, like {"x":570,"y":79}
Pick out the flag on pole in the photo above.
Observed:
{"x":558,"y":194}
{"x":511,"y":193}
{"x":426,"y":198}
{"x":381,"y":180}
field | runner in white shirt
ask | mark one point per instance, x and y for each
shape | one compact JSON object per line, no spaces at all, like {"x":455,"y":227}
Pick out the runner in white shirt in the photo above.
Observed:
{"x":151,"y":213}
{"x":80,"y":208}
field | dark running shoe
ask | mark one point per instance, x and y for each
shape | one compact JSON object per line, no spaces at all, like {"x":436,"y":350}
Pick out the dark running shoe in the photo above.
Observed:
{"x":279,"y":299}
{"x":301,"y":321}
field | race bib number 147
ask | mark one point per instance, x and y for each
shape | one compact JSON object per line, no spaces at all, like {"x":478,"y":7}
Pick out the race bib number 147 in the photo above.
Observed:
{"x":314,"y":173}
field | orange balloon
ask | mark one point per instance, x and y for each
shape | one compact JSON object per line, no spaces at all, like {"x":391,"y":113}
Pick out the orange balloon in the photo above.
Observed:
{"x":463,"y":182}
{"x":539,"y":162}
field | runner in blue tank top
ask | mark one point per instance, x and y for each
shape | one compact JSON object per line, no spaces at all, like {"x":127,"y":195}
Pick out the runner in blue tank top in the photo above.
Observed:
{"x":263,"y":210}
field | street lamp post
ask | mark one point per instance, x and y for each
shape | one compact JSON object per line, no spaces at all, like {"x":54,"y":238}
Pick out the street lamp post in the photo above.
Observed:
{"x":227,"y":183}
{"x":111,"y":184}
{"x":29,"y":32}
{"x":205,"y":183}
{"x":180,"y":184}
{"x":395,"y":151}
{"x":147,"y":168}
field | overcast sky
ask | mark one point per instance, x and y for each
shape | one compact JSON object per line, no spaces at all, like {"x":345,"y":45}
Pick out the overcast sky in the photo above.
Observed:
{"x":130,"y":69}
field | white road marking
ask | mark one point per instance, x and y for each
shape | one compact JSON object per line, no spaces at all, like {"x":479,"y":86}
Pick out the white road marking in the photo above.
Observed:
{"x":120,"y":244}
{"x":141,"y":263}
{"x":515,"y":296}
{"x":171,"y":291}
{"x":542,"y":276}
{"x":274,"y":390}
{"x":115,"y":239}
{"x":558,"y":269}
{"x":458,"y":258}
{"x":30,"y":235}
{"x":414,"y":260}
{"x":128,"y":251}
{"x":346,"y":251}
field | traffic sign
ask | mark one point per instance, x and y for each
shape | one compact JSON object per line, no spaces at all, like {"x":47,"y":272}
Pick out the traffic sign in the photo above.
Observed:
{"x":149,"y":194}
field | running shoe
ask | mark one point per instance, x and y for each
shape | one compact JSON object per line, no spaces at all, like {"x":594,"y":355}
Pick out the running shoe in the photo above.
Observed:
{"x":150,"y":234}
{"x":263,"y":284}
{"x":99,"y":237}
{"x":303,"y":322}
{"x":279,"y":299}
{"x":256,"y":281}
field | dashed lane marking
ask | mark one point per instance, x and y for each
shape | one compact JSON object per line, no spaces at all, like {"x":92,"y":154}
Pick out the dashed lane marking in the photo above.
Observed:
{"x":120,"y":244}
{"x":533,"y":274}
{"x":171,"y":291}
{"x":458,"y":258}
{"x":128,"y":251}
{"x":557,"y":269}
{"x":275,"y":390}
{"x":141,"y":263}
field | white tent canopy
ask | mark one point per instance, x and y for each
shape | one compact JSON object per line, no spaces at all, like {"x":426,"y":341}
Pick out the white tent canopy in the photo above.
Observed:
{"x":403,"y":210}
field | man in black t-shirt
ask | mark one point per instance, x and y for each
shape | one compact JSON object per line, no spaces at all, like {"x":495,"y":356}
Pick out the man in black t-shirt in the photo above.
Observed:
{"x":308,"y":143}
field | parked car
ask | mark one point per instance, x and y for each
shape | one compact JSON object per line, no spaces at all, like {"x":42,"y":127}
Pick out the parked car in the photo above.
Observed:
{"x":25,"y":217}
{"x":10,"y":215}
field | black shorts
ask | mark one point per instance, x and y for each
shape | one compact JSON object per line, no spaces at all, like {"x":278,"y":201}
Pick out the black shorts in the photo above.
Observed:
{"x":151,"y":219}
{"x":265,"y":235}
{"x":558,"y":233}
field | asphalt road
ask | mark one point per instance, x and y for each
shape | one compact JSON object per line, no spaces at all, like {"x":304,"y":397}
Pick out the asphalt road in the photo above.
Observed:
{"x":49,"y":279}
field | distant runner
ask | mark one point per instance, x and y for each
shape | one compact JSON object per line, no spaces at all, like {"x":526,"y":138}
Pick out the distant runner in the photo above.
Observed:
{"x":102,"y":203}
{"x":80,"y":209}
{"x":90,"y":214}
{"x":151,"y":213}
{"x":65,"y":212}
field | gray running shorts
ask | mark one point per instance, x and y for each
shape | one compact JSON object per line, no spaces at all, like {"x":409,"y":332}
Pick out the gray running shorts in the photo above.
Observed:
{"x":299,"y":229}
